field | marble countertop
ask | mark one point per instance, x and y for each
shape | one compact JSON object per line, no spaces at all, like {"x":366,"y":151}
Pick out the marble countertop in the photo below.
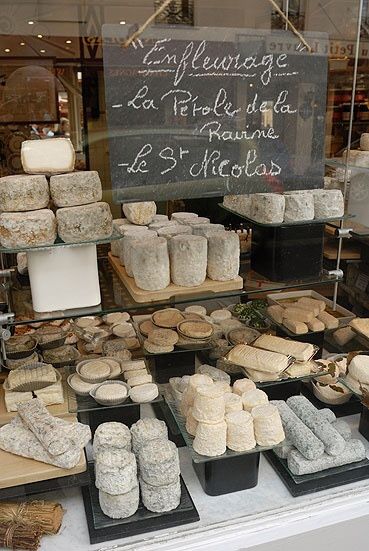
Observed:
{"x":234,"y":521}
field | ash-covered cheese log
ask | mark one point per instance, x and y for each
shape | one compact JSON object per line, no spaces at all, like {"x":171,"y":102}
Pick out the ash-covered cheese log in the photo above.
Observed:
{"x":20,"y":193}
{"x":298,"y":433}
{"x":238,"y":203}
{"x":129,"y":243}
{"x":75,"y":188}
{"x":112,"y":435}
{"x":116,"y":471}
{"x":160,"y":499}
{"x":333,"y":442}
{"x":140,"y":213}
{"x":159,"y":462}
{"x":328,"y":203}
{"x":223,"y":256}
{"x":150,"y":263}
{"x":44,"y":426}
{"x":353,"y":452}
{"x":48,"y":156}
{"x":299,"y":207}
{"x":120,"y":506}
{"x":27,"y":229}
{"x":267,"y":208}
{"x":84,"y":223}
{"x":188,"y":260}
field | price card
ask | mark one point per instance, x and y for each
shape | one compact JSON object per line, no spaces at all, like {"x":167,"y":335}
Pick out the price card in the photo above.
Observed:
{"x":362,"y":282}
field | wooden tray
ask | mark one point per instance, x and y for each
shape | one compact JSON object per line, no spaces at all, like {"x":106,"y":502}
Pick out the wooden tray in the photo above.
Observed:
{"x":17,"y":470}
{"x":139,"y":295}
{"x":58,"y":410}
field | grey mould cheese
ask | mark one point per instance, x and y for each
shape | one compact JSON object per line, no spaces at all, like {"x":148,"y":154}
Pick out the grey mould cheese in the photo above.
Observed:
{"x":140,"y":213}
{"x":21,"y":193}
{"x":299,"y":207}
{"x":328,"y":203}
{"x":223,"y":256}
{"x":27,"y":229}
{"x":75,"y":188}
{"x":161,"y":498}
{"x":84,"y":223}
{"x":267,"y":208}
{"x":150,"y":264}
{"x":238,"y":203}
{"x":188,"y":259}
{"x":120,"y":506}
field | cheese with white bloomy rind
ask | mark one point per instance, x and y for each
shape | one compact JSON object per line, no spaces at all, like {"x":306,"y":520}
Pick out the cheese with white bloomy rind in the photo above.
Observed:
{"x":240,"y":431}
{"x":48,"y":156}
{"x":85,"y":223}
{"x":27,"y":229}
{"x":267,"y":425}
{"x":299,"y":207}
{"x":20,"y":192}
{"x":188,"y":260}
{"x":223,"y":256}
{"x":75,"y":188}
{"x":140,"y":213}
{"x":267,"y":208}
{"x":210,"y":439}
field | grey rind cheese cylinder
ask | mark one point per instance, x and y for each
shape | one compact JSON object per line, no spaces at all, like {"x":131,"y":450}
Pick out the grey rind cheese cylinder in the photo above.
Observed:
{"x":150,"y":263}
{"x":188,"y":260}
{"x":75,"y":188}
{"x":19,"y":193}
{"x":112,"y":435}
{"x":299,"y":207}
{"x":84,"y":223}
{"x":171,"y":231}
{"x":160,"y":499}
{"x":207,"y":229}
{"x":145,"y":430}
{"x":328,"y":203}
{"x":223,"y":256}
{"x":116,"y":471}
{"x":267,"y":208}
{"x":130,"y":241}
{"x":238,"y":203}
{"x":140,"y":213}
{"x":120,"y":506}
{"x":27,"y":229}
{"x":125,"y":231}
{"x":159,"y":462}
{"x":116,"y":244}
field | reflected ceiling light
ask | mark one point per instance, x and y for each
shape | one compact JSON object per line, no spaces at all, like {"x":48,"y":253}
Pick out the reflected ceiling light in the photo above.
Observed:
{"x":122,"y":22}
{"x":7,"y":50}
{"x":68,"y":42}
{"x":43,"y":51}
{"x":22,"y":43}
{"x":39,"y":36}
{"x":79,"y":75}
{"x":31,"y":22}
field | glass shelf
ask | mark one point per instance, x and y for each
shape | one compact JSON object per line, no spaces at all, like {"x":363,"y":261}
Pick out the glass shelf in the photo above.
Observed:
{"x":196,"y":457}
{"x":116,"y":298}
{"x":59,"y":243}
{"x":285,"y":224}
{"x":338,"y":162}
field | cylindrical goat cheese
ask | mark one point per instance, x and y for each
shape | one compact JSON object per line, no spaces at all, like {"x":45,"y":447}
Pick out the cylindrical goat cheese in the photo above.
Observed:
{"x":159,"y":462}
{"x":150,"y":263}
{"x":211,"y":439}
{"x":183,"y":216}
{"x":140,"y":213}
{"x":207,"y":229}
{"x":20,"y":192}
{"x":116,"y":471}
{"x":240,"y":431}
{"x":112,"y":435}
{"x":238,"y":203}
{"x":129,"y":243}
{"x":188,"y":260}
{"x":299,"y":207}
{"x":84,"y":223}
{"x":145,"y":430}
{"x":267,"y":208}
{"x":27,"y":229}
{"x":267,"y":425}
{"x":121,"y":505}
{"x":160,"y":499}
{"x":75,"y":188}
{"x":116,"y":244}
{"x":208,"y":406}
{"x":177,"y":229}
{"x":223,"y":256}
{"x":328,"y":203}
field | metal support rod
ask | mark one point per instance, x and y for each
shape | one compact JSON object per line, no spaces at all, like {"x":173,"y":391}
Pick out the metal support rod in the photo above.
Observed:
{"x":287,"y":11}
{"x":354,"y":82}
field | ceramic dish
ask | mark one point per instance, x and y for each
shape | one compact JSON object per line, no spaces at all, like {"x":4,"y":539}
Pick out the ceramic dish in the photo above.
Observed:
{"x":110,"y":401}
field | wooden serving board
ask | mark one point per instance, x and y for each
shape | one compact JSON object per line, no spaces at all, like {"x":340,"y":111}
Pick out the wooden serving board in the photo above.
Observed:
{"x":58,"y":410}
{"x":139,"y":295}
{"x":17,"y":470}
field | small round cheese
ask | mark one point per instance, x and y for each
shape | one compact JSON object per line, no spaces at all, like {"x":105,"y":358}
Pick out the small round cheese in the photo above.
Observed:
{"x":208,"y":406}
{"x":254,"y":398}
{"x":240,"y":431}
{"x":144,"y":393}
{"x":241,"y":386}
{"x":210,"y":439}
{"x":140,"y":213}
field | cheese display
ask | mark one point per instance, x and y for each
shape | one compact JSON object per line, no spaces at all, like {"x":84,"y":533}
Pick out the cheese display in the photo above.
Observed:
{"x":223,"y":256}
{"x":267,"y":208}
{"x":328,"y":203}
{"x":19,"y":193}
{"x":188,"y":260}
{"x":150,"y":264}
{"x":84,"y":223}
{"x":299,"y":207}
{"x":208,"y":406}
{"x":140,"y":213}
{"x":47,"y":156}
{"x":240,"y":431}
{"x":27,"y":229}
{"x":75,"y":188}
{"x":299,"y":350}
{"x":211,"y":439}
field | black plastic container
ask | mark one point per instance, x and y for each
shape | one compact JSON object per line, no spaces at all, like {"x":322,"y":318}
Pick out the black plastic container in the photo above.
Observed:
{"x":364,"y":422}
{"x":127,"y":415}
{"x":228,"y":475}
{"x":163,"y":412}
{"x":286,"y":253}
{"x":172,"y":364}
{"x":281,"y":391}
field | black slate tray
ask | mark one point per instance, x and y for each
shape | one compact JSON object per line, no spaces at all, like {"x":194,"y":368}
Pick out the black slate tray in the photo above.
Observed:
{"x":102,"y":528}
{"x":312,"y":483}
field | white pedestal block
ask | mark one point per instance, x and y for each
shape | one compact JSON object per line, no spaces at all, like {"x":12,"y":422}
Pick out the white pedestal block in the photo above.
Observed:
{"x":64,"y":277}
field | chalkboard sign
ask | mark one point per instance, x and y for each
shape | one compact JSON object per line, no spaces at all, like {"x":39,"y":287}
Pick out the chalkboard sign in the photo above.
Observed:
{"x":200,"y":112}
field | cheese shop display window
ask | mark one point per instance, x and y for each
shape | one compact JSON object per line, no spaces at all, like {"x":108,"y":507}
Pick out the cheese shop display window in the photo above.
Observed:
{"x":184,"y":312}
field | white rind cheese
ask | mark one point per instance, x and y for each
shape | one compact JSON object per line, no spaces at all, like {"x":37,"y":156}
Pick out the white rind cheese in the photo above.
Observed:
{"x":240,"y":431}
{"x":120,"y":506}
{"x":239,"y":203}
{"x":84,"y":223}
{"x":19,"y":193}
{"x":48,"y":156}
{"x":76,"y":188}
{"x":211,"y":439}
{"x":27,"y":229}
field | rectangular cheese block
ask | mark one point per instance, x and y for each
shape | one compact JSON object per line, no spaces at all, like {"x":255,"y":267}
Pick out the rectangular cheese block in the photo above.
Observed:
{"x":12,"y":399}
{"x":276,"y":313}
{"x":75,"y":188}
{"x":344,"y":335}
{"x":52,"y":394}
{"x":48,"y":156}
{"x":257,"y":359}
{"x":312,"y":303}
{"x":21,"y":192}
{"x":85,"y":223}
{"x":329,"y":321}
{"x":302,"y":351}
{"x":316,"y":325}
{"x":297,"y":314}
{"x":297,"y":327}
{"x":27,"y":229}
